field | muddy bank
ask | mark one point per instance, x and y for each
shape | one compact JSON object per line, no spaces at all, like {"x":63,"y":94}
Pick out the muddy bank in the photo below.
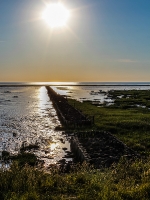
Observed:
{"x":100,"y":149}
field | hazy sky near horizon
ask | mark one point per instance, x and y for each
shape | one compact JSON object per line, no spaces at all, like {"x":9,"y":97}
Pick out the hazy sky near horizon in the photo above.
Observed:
{"x":105,"y":40}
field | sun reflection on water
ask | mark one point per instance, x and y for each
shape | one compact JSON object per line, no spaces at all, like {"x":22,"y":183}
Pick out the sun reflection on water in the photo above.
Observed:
{"x":31,"y":119}
{"x":43,"y":98}
{"x":53,"y":146}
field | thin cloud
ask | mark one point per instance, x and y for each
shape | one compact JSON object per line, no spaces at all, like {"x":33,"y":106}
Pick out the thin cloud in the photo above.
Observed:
{"x":127,"y":61}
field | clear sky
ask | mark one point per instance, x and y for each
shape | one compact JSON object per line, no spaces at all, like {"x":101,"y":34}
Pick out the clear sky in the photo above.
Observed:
{"x":104,"y":40}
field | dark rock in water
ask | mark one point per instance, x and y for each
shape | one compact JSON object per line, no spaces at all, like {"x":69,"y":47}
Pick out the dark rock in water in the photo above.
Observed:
{"x":7,"y":92}
{"x":69,"y":156}
{"x":29,"y":147}
{"x":14,"y":134}
{"x":62,"y":161}
{"x":15,"y":96}
{"x":5,"y":155}
{"x":64,"y":148}
{"x":62,"y":140}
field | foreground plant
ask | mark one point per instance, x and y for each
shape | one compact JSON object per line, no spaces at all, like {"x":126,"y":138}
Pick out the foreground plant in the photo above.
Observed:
{"x":125,"y":180}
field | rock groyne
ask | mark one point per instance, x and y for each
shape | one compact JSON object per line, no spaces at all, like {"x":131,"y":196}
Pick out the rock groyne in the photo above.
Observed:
{"x":100,"y":149}
{"x":68,"y":115}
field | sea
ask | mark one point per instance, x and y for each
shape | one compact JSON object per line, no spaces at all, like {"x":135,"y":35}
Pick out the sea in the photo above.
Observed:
{"x":27,"y":115}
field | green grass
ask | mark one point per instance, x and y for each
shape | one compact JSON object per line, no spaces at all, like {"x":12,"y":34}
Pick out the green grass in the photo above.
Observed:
{"x":126,"y":180}
{"x":131,"y":125}
{"x":130,"y":98}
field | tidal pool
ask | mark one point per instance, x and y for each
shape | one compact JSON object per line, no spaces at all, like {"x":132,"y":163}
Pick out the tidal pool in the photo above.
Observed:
{"x":97,"y":94}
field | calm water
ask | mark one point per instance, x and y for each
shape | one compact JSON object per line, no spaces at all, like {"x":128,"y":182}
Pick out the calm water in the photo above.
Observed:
{"x":27,"y":116}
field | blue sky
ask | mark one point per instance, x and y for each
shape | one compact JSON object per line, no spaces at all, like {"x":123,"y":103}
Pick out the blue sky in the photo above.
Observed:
{"x":103,"y":41}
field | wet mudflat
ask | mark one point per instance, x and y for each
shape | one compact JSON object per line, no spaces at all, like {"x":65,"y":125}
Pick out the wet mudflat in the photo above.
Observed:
{"x":96,"y":94}
{"x":27,"y":117}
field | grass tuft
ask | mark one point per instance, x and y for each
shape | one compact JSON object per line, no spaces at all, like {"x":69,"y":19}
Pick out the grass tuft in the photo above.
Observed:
{"x":125,"y":180}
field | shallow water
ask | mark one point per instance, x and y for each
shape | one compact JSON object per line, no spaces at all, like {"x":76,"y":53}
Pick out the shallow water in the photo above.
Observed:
{"x":94,"y":93}
{"x":27,"y":116}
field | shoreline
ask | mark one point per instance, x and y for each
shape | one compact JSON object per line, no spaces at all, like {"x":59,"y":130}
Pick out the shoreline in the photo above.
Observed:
{"x":103,"y":85}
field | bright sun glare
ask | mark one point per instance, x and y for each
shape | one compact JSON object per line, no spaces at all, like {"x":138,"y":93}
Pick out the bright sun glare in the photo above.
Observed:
{"x":56,"y":15}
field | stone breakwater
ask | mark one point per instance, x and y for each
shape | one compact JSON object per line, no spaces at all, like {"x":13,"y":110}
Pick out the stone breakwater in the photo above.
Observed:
{"x":101,"y":149}
{"x":98,"y":148}
{"x":68,"y":115}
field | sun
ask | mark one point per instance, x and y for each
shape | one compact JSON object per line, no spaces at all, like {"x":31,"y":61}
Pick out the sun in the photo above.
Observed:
{"x":56,"y":15}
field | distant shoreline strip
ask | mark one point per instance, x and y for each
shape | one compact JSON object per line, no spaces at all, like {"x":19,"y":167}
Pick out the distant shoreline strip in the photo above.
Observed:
{"x":114,"y":85}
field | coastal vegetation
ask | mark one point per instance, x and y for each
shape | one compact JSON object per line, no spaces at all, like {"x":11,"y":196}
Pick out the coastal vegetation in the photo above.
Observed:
{"x":128,"y":118}
{"x":125,"y":180}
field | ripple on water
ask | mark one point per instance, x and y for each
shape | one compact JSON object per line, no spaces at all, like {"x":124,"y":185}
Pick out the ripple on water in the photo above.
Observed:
{"x":31,"y":119}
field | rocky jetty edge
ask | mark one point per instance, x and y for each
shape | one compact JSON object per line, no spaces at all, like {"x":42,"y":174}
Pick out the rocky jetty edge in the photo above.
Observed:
{"x":68,"y":115}
{"x":98,"y":148}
